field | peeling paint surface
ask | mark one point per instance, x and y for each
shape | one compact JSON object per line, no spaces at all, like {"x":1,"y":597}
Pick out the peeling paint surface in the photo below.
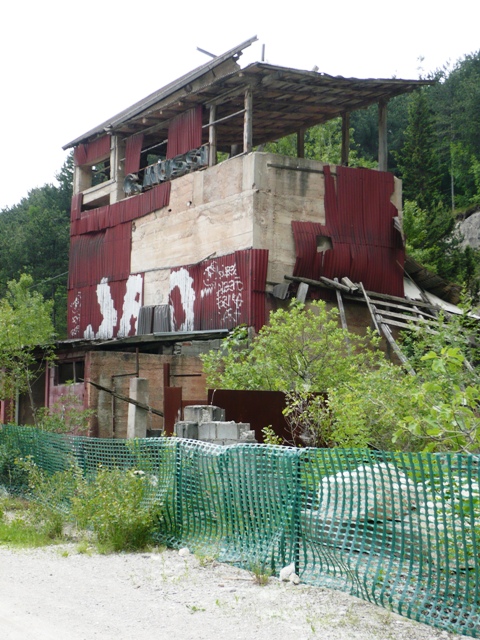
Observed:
{"x":131,"y":306}
{"x":182,"y":289}
{"x":107,"y":309}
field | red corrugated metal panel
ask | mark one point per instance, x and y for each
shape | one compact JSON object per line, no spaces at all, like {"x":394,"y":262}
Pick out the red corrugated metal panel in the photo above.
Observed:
{"x":258,"y":282}
{"x":103,"y":310}
{"x":185,"y":132}
{"x":123,"y":211}
{"x":220,"y":293}
{"x":76,"y":208}
{"x":105,"y":254}
{"x":91,"y":152}
{"x":359,"y":222}
{"x":133,"y":150}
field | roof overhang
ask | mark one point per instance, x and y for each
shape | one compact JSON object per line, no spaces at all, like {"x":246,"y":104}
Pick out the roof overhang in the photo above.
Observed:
{"x":284,"y":100}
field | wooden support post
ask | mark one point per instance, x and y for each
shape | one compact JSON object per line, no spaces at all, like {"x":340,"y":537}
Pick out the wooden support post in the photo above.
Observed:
{"x":117,"y":167}
{"x":248,"y":122}
{"x":345,"y":138}
{"x":382,"y":136}
{"x":212,"y":138}
{"x":301,"y":143}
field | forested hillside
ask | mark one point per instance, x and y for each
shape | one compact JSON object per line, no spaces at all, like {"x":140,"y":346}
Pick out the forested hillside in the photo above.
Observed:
{"x":34,"y":239}
{"x":434,"y":146}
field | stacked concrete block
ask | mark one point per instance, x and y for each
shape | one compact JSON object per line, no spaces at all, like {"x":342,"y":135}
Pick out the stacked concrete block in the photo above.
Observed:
{"x":207,"y":423}
{"x":200,"y":413}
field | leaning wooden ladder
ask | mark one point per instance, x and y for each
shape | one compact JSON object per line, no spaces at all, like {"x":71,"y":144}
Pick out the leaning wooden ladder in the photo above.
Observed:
{"x":384,"y":330}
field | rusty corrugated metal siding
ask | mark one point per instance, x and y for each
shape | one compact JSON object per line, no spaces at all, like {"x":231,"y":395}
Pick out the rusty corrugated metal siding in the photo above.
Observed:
{"x":95,"y":150}
{"x":133,"y":149}
{"x":123,"y":211}
{"x":185,"y":132}
{"x":220,"y":293}
{"x":104,"y":298}
{"x":105,"y":254}
{"x":359,"y":222}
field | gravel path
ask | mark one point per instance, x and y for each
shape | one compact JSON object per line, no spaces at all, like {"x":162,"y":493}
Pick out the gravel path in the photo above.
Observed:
{"x":57,"y":593}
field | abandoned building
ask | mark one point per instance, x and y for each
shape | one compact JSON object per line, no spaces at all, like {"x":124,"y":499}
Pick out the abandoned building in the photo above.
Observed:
{"x":183,"y":226}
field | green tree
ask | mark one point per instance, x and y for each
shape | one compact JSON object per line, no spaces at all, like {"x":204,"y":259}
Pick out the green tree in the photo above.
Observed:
{"x":301,"y":349}
{"x":323,"y":142}
{"x":26,"y":337}
{"x":304,"y":352}
{"x":365,"y":130}
{"x":444,"y":414}
{"x":417,"y":161}
{"x":34,"y":239}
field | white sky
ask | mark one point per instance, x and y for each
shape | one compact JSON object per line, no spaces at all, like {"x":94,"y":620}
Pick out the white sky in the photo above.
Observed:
{"x":68,"y":66}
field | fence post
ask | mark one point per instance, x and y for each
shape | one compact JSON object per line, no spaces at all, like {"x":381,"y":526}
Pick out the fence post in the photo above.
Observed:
{"x":178,"y":490}
{"x":296,"y":533}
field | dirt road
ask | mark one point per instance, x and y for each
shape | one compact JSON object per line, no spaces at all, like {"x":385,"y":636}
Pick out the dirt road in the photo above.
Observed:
{"x":58,"y":594}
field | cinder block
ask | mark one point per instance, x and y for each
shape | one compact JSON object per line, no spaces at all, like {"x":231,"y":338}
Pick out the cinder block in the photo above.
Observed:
{"x":247,"y":436}
{"x":228,"y":430}
{"x":188,"y":430}
{"x":201,"y":413}
{"x":207,"y":431}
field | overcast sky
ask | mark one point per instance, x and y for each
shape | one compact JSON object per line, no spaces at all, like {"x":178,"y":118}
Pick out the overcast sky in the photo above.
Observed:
{"x":68,"y":66}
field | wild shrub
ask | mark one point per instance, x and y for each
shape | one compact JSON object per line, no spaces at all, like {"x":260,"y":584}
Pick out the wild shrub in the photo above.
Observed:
{"x":116,"y":506}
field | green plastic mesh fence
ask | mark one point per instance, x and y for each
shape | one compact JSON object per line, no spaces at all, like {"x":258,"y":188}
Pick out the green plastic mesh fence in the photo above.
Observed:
{"x":397,"y":529}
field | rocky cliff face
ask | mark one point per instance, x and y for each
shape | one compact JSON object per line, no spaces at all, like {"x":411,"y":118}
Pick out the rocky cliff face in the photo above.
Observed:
{"x":470,"y":230}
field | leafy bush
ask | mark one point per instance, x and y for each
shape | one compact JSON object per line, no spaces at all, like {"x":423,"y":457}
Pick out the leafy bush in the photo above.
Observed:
{"x":65,"y":416}
{"x":340,"y":389}
{"x":12,"y":476}
{"x":116,"y":506}
{"x":444,"y":414}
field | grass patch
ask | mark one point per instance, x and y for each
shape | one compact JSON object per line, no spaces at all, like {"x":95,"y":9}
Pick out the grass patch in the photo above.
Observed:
{"x":20,"y":528}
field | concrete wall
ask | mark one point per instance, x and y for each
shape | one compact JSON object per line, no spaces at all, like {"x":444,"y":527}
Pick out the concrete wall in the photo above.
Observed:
{"x":239,"y":204}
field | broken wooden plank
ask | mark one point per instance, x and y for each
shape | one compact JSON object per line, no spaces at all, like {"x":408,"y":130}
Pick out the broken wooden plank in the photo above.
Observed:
{"x":335,"y":285}
{"x":415,"y":319}
{"x":343,"y":317}
{"x":348,"y":283}
{"x":302,"y":292}
{"x":371,"y":309}
{"x":393,"y":343}
{"x":402,"y":307}
{"x":404,"y":325}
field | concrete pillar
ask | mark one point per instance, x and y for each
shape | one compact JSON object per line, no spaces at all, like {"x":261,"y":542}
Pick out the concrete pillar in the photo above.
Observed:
{"x":104,"y":408}
{"x":138,"y":417}
{"x":82,"y":179}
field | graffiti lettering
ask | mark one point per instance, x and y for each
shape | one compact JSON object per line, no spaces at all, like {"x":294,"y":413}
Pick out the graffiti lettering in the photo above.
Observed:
{"x":225,"y":283}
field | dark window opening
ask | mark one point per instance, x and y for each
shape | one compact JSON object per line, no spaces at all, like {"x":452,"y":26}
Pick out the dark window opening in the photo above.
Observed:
{"x":67,"y":372}
{"x":101,"y":172}
{"x":324,"y":243}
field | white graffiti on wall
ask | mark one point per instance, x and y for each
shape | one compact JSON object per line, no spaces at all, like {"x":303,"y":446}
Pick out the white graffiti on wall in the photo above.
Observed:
{"x":131,"y":305}
{"x":225,"y":283}
{"x":220,"y":281}
{"x":184,"y":281}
